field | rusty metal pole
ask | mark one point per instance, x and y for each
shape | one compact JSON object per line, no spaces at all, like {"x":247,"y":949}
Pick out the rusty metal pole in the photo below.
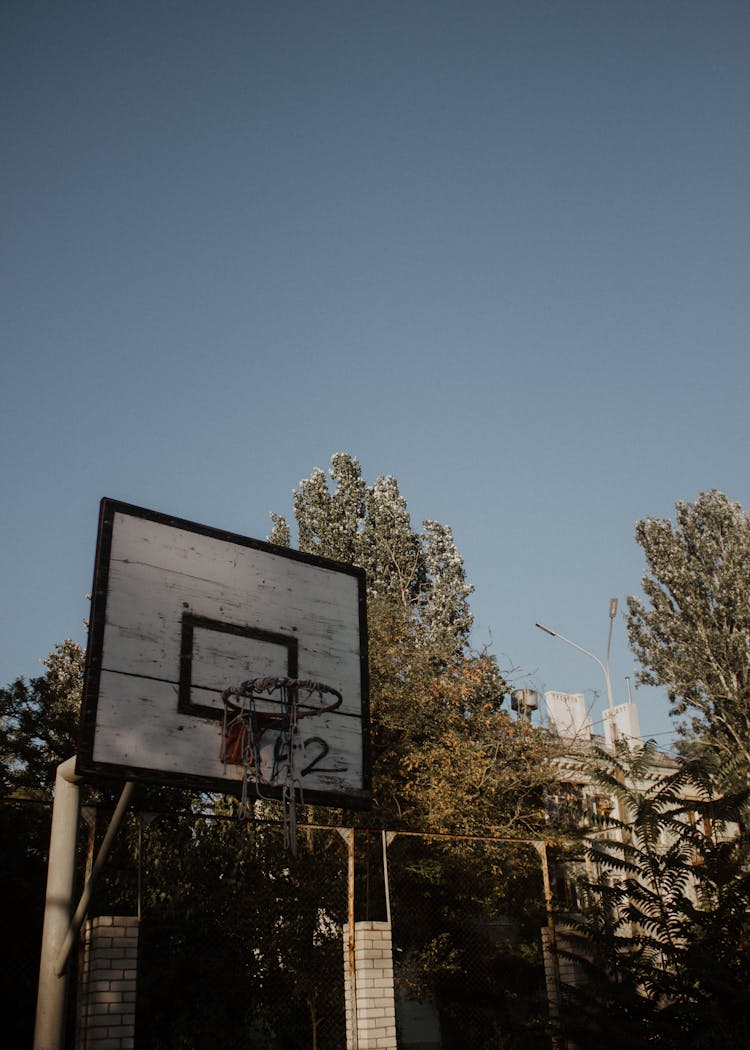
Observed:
{"x":388,"y":837}
{"x":352,"y":945}
{"x":558,"y":1041}
{"x":347,"y":835}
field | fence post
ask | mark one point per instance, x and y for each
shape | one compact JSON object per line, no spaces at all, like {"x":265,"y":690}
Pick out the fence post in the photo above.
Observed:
{"x":553,"y":994}
{"x":347,"y":834}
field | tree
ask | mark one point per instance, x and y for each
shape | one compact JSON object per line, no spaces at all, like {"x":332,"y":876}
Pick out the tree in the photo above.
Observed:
{"x":665,"y":939}
{"x":419,"y":576}
{"x":38,"y":723}
{"x":446,"y":757}
{"x":692,"y":633}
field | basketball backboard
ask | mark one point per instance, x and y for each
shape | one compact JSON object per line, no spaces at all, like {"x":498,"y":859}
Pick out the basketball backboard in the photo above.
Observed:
{"x":180,"y":612}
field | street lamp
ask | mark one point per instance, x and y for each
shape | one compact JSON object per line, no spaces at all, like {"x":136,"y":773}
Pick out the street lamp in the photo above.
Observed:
{"x":604,"y":666}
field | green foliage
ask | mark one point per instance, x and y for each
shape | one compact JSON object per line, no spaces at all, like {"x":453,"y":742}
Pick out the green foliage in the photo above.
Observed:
{"x":665,"y":940}
{"x":692,"y":633}
{"x":419,"y":574}
{"x":38,"y":723}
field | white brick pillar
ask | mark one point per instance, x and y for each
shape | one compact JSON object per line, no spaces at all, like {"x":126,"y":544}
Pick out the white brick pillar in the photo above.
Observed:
{"x":106,"y":998}
{"x":373,"y":1008}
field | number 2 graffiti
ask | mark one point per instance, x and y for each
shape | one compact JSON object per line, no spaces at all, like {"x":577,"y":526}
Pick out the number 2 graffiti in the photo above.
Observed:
{"x":261,"y":729}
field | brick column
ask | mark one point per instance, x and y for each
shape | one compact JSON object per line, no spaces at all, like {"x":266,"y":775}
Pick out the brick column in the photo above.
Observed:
{"x":375,"y":1011}
{"x":106,"y":998}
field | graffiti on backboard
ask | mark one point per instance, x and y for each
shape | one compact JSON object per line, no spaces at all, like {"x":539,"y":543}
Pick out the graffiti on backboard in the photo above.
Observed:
{"x":261,"y":729}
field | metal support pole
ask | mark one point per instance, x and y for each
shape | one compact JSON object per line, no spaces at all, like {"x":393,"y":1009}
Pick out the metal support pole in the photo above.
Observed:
{"x":88,"y":891}
{"x":50,"y":1009}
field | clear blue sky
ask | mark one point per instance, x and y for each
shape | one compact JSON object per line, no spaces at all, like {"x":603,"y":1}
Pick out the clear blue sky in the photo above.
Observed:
{"x":498,"y":250}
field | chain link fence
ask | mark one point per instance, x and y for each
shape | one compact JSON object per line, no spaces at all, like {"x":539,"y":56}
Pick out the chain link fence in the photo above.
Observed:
{"x":248,"y":938}
{"x":243,"y":935}
{"x":241,"y":942}
{"x":466,"y":917}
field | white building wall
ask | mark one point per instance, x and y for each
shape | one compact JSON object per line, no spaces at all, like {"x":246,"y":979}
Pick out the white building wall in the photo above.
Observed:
{"x":621,"y":724}
{"x":567,"y":716}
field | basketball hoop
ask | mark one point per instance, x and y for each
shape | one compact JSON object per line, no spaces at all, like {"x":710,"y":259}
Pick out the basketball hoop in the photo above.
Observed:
{"x":246,"y":724}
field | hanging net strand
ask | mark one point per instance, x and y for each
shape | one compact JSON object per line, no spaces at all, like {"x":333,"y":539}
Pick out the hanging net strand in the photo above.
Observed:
{"x":244,"y":727}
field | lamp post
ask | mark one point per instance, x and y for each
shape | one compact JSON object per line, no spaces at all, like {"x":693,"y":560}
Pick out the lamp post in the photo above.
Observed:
{"x":604,"y":666}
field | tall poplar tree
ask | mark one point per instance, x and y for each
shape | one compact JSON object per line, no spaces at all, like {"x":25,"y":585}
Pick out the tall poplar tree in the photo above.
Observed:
{"x":446,"y":756}
{"x":692,"y":632}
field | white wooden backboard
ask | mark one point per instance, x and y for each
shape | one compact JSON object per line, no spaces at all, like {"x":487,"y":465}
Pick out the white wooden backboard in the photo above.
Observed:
{"x":182,"y":611}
